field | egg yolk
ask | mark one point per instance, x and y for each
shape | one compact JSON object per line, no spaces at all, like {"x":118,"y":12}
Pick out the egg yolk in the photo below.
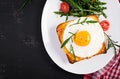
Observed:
{"x":82,"y":38}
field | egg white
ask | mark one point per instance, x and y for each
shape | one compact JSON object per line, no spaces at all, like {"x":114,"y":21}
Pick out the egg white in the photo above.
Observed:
{"x":97,"y":37}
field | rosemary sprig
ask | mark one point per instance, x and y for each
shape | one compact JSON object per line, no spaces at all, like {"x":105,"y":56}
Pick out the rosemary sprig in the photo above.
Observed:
{"x":66,"y":41}
{"x":91,"y":21}
{"x":112,"y":43}
{"x":72,"y":51}
{"x":84,"y":21}
{"x":71,"y":47}
{"x":78,"y":22}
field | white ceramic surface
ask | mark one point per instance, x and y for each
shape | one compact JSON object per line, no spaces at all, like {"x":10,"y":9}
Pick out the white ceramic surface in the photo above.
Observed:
{"x":52,"y":44}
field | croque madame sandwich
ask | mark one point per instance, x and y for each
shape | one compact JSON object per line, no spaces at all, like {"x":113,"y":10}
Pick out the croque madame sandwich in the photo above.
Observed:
{"x":81,"y":38}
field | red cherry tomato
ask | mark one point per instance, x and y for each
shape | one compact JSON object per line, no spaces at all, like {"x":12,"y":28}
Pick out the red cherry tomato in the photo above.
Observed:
{"x":105,"y":25}
{"x":64,"y":7}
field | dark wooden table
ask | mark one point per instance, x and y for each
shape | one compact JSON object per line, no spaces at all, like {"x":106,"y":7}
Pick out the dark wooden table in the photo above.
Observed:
{"x":22,"y":53}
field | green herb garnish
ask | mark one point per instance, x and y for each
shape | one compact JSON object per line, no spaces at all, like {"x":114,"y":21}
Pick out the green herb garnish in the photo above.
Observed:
{"x":72,"y":50}
{"x":112,"y":43}
{"x":79,"y":8}
{"x":66,"y":41}
{"x":91,"y":21}
{"x":84,"y":21}
{"x":66,"y":17}
{"x":78,"y":22}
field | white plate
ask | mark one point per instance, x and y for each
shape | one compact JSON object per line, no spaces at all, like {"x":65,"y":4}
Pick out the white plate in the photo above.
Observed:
{"x":52,"y":44}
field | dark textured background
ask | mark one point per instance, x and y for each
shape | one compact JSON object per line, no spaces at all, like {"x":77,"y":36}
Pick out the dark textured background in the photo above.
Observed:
{"x":22,"y":53}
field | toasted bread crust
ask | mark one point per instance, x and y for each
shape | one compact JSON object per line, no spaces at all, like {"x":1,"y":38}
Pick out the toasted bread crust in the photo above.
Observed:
{"x":72,"y":59}
{"x":95,"y":17}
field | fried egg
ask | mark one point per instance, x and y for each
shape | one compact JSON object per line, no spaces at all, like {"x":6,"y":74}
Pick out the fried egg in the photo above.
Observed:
{"x":86,"y":37}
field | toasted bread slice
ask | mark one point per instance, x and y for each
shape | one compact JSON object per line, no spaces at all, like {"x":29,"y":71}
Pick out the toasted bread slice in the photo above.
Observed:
{"x":72,"y":59}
